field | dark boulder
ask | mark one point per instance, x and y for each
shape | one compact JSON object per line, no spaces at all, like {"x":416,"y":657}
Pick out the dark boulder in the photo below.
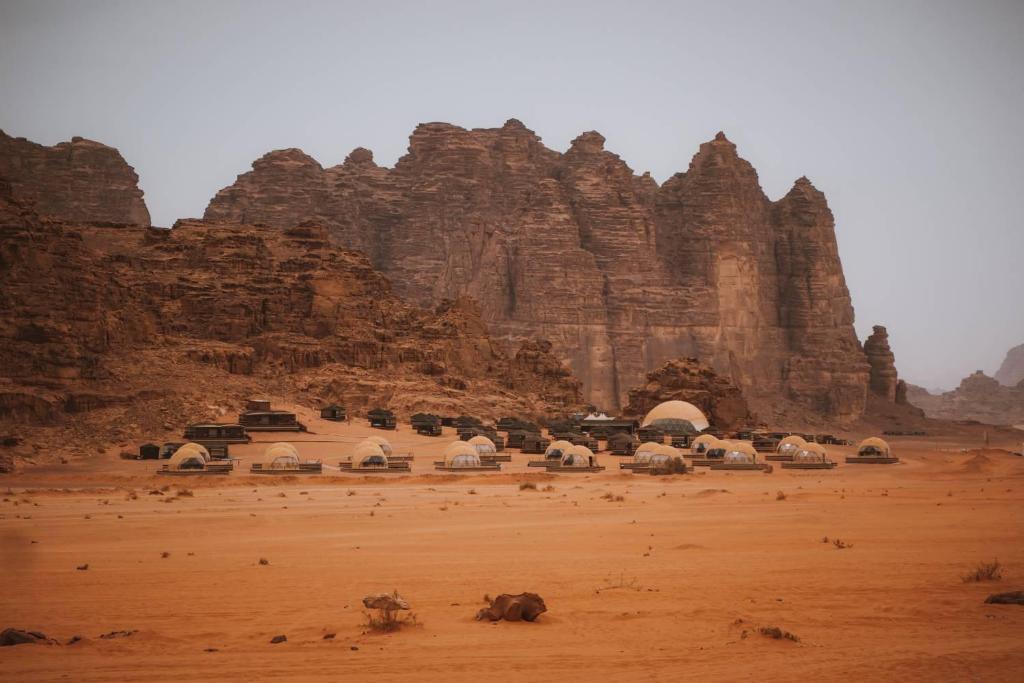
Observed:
{"x":522,"y":607}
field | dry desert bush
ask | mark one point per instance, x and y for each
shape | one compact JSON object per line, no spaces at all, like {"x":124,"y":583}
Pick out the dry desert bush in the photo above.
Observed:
{"x":527,"y":486}
{"x":985,"y":571}
{"x":777,"y":633}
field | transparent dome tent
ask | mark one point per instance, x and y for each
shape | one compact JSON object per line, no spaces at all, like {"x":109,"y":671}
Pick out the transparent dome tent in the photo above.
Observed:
{"x":645,"y":451}
{"x":678,"y":417}
{"x":281,"y":456}
{"x":702,"y":443}
{"x":483,"y":445}
{"x":460,"y":454}
{"x":739,"y":453}
{"x":191,"y":456}
{"x":791,"y":445}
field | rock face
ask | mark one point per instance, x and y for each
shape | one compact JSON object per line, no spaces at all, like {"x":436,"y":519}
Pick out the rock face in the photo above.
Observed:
{"x":148,"y":327}
{"x":979,"y":397}
{"x":1011,"y":372}
{"x":618,"y":273}
{"x":77,"y":181}
{"x":883,"y":378}
{"x":687,"y":379}
{"x":522,"y":607}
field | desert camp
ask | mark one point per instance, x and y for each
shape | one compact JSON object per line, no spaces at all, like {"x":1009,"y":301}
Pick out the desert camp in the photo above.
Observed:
{"x":455,"y":342}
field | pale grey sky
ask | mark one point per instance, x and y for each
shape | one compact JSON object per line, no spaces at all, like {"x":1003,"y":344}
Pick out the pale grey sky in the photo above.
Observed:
{"x":906,"y":114}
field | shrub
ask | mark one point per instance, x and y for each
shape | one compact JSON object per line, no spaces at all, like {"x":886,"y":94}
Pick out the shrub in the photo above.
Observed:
{"x":672,"y":466}
{"x":777,"y":633}
{"x":385,"y":620}
{"x":985,"y":571}
{"x":527,"y":486}
{"x":780,"y":495}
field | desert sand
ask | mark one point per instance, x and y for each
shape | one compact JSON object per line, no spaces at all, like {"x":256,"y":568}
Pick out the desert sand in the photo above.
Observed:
{"x":673,"y":581}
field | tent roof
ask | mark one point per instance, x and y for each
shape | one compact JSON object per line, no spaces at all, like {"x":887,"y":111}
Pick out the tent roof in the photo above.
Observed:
{"x":677,"y":410}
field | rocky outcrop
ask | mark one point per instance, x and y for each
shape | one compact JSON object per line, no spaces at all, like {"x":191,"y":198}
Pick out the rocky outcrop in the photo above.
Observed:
{"x":883,"y":378}
{"x":979,"y":397}
{"x":152,"y":327}
{"x":687,"y":379}
{"x":521,"y":607}
{"x":1011,"y":372}
{"x":617,"y":273}
{"x":80,"y":181}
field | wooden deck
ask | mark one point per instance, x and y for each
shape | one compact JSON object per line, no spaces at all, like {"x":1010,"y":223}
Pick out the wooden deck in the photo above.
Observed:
{"x":210,"y":469}
{"x":494,"y":467}
{"x":303,"y":468}
{"x":870,"y":460}
{"x":574,"y":470}
{"x":808,"y":465}
{"x":392,"y":468}
{"x":751,"y":467}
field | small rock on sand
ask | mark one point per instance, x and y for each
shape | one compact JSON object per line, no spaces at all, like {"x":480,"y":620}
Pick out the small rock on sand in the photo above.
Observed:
{"x":1011,"y":598}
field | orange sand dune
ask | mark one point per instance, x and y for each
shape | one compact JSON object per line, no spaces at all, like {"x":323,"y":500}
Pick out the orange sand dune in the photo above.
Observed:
{"x":671,"y":583}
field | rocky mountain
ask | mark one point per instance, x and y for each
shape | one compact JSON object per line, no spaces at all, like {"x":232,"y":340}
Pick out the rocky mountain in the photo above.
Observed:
{"x":77,"y":181}
{"x":142,"y":329}
{"x":687,"y":379}
{"x":979,"y":397}
{"x":1011,"y":372}
{"x":619,"y":273}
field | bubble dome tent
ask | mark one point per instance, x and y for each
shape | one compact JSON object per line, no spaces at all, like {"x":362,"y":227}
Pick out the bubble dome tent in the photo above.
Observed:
{"x":283,"y":458}
{"x":644,"y":452}
{"x":487,"y":450}
{"x":576,"y":459}
{"x":714,"y":452}
{"x":664,"y":455}
{"x":552,"y":454}
{"x":740,"y":455}
{"x":642,"y":456}
{"x":700,"y":445}
{"x":811,"y":457}
{"x":460,"y":456}
{"x":676,"y":418}
{"x":194,"y":459}
{"x":787,"y":448}
{"x":369,"y":458}
{"x":872,"y":451}
{"x":384,"y":444}
{"x":389,"y":451}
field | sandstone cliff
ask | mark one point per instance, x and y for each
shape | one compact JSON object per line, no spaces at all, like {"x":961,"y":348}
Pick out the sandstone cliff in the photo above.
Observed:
{"x":687,"y":379}
{"x":618,"y":273}
{"x":145,"y":329}
{"x":979,"y":397}
{"x":77,"y":181}
{"x":1011,"y":372}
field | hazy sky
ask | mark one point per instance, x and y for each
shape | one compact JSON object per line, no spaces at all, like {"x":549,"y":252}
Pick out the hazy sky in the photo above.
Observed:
{"x":908,"y":115}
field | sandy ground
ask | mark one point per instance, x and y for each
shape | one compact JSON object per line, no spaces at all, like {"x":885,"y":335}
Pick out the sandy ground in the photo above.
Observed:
{"x":671,"y":582}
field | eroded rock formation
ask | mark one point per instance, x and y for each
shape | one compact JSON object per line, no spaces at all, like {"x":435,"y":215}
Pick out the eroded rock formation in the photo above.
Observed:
{"x":618,"y":273}
{"x":883,"y":379}
{"x":157,"y":326}
{"x":979,"y":397}
{"x":521,"y":607}
{"x":76,"y":181}
{"x":687,"y":379}
{"x":1011,"y":371}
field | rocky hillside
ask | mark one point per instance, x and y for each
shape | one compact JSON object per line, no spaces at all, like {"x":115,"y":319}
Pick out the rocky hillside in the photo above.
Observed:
{"x":621,"y":274}
{"x":73,"y":181}
{"x":687,"y":379}
{"x":143,"y":329}
{"x":1011,"y":372}
{"x":979,"y":397}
